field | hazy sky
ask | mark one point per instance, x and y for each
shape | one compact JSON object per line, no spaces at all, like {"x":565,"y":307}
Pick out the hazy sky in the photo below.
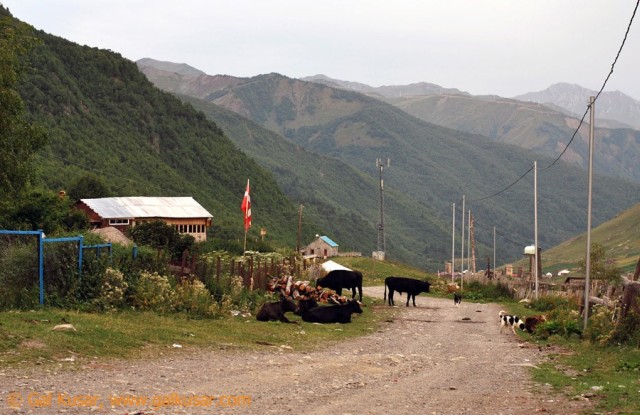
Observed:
{"x":502,"y":47}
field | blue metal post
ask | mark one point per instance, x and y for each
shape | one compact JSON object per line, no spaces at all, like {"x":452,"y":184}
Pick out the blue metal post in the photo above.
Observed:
{"x":80,"y":249}
{"x":41,"y":264}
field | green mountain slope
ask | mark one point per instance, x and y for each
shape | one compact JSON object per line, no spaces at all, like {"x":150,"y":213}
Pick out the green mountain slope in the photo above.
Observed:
{"x":619,"y":237}
{"x":341,"y":200}
{"x":104,"y":117}
{"x":430,"y":164}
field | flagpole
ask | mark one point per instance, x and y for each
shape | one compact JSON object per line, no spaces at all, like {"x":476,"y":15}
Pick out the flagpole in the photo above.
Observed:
{"x":246,"y":208}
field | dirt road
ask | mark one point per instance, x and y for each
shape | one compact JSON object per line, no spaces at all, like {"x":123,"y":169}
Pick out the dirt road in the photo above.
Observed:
{"x":432,"y":359}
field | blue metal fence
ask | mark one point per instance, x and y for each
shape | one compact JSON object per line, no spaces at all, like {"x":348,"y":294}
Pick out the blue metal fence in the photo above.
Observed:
{"x":42,"y":240}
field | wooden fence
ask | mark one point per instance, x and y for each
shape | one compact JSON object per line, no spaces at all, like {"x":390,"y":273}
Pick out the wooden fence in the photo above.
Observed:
{"x":254,"y":271}
{"x":525,"y":288}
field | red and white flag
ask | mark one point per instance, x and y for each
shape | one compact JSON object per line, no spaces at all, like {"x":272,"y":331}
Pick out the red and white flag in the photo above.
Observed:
{"x":246,"y":208}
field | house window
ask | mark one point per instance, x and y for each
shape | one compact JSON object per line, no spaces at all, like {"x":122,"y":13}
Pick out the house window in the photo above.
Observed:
{"x":118,"y":222}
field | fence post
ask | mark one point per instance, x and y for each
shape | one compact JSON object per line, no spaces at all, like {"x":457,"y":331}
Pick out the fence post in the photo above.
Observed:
{"x":250,"y":276}
{"x":218,"y":265}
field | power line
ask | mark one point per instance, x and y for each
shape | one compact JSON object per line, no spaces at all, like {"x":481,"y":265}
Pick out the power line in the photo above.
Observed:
{"x":583,"y":116}
{"x":624,"y":40}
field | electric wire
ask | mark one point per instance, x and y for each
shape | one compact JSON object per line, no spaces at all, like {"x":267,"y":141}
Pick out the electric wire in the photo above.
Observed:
{"x":624,"y":40}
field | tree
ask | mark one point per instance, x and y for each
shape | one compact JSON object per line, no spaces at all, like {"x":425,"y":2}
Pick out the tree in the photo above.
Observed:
{"x":160,"y":235}
{"x":19,"y":139}
{"x":602,"y":268}
{"x":88,"y":187}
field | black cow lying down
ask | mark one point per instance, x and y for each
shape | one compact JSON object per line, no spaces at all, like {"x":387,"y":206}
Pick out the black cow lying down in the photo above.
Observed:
{"x":333,"y":313}
{"x":339,"y":279}
{"x":275,"y":311}
{"x":410,"y":286}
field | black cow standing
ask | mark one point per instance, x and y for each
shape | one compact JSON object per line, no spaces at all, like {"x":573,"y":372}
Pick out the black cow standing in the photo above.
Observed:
{"x":339,"y":279}
{"x":410,"y":286}
{"x":333,"y":313}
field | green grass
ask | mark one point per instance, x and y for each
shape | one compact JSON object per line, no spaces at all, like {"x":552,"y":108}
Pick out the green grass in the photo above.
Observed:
{"x":375,"y":271}
{"x":607,"y":375}
{"x":27,"y":338}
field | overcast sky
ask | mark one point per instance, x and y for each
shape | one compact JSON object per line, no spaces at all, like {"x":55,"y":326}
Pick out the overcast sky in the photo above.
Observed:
{"x":502,"y":47}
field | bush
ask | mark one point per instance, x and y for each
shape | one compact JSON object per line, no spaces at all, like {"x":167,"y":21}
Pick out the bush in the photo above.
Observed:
{"x":112,"y":291}
{"x":191,"y":296}
{"x":476,"y":291}
{"x":19,"y":286}
{"x":627,"y":331}
{"x":552,"y":302}
{"x":152,"y":292}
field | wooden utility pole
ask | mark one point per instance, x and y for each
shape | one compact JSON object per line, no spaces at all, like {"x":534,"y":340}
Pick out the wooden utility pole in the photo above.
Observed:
{"x":473,"y":243}
{"x":587,"y":260}
{"x":299,"y":228}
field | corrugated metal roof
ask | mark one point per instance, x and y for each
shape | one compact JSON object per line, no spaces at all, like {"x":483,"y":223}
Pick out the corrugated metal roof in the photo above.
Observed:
{"x":329,"y":241}
{"x":147,"y":207}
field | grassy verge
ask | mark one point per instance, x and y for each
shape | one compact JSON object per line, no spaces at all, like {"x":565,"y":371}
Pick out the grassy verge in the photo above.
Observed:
{"x":609,"y":376}
{"x":27,"y":338}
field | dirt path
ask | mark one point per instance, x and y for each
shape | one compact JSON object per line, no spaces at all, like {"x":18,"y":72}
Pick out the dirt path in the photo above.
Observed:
{"x":432,"y":359}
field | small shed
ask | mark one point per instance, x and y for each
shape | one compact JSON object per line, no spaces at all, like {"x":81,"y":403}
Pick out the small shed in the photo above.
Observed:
{"x":321,"y":247}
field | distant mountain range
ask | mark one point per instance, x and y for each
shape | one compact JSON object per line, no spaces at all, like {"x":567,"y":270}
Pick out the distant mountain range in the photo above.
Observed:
{"x":391,"y":91}
{"x":611,"y":105}
{"x":613,"y":109}
{"x":431,"y":166}
{"x":545,"y":129}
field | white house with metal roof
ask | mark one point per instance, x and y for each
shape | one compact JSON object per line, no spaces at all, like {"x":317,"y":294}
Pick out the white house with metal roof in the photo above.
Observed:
{"x":321,"y":247}
{"x":185,"y":214}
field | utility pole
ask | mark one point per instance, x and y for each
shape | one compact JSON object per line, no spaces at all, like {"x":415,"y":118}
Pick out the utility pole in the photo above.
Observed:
{"x":587,"y":261}
{"x":472,"y":243}
{"x":494,"y":248}
{"x":381,"y":238}
{"x":299,"y":228}
{"x":535,"y":221}
{"x":462,"y":243}
{"x":453,"y":242}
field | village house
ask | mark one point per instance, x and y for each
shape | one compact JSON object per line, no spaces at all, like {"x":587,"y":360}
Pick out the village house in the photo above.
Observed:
{"x":183,"y":213}
{"x":321,"y":247}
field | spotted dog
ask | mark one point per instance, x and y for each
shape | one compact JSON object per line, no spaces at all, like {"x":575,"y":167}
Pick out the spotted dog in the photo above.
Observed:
{"x":510,"y":321}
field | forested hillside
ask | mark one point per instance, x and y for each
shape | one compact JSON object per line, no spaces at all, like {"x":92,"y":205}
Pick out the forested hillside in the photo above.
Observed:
{"x":338,"y":197}
{"x":432,"y":165}
{"x":104,"y":118}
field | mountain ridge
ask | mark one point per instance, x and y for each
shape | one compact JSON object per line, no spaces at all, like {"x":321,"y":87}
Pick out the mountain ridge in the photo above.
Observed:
{"x":358,"y":129}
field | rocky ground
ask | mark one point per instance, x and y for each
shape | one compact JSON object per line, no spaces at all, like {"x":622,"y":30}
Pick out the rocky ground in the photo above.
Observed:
{"x":432,"y":359}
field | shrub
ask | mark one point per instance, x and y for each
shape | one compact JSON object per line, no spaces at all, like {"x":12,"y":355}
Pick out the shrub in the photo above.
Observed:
{"x":562,"y":322}
{"x":191,"y":296}
{"x":477,"y":291}
{"x":19,"y":287}
{"x":551,"y":302}
{"x":152,"y":292}
{"x":112,"y":291}
{"x":627,"y":331}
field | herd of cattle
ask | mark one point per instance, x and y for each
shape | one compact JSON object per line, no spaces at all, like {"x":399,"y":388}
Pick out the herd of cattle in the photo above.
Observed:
{"x":308,"y":297}
{"x":328,"y":289}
